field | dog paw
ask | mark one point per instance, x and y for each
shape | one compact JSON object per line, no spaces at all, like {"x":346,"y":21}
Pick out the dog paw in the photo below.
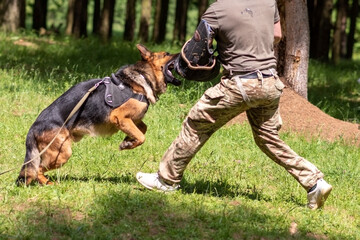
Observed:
{"x":23,"y":181}
{"x":49,"y":183}
{"x":20,"y":181}
{"x":126,"y":145}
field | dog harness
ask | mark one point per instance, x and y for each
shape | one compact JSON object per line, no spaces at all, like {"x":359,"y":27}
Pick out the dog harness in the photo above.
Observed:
{"x":117,"y":93}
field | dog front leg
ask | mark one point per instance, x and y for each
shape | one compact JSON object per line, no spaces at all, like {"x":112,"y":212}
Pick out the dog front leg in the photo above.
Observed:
{"x":128,"y":140}
{"x":135,"y":133}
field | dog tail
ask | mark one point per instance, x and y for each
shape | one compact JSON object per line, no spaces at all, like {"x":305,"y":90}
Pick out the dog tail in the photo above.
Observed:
{"x":30,"y":168}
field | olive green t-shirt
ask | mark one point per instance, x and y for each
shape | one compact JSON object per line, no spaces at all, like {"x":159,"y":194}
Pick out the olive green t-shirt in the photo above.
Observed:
{"x":244,"y":31}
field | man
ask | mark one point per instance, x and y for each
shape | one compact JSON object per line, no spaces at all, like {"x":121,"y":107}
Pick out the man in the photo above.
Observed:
{"x":245,"y":32}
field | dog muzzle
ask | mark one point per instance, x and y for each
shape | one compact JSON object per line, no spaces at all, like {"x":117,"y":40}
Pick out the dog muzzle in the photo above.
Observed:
{"x":169,"y":77}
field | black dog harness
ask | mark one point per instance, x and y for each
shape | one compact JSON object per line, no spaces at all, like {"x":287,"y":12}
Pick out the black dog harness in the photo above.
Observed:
{"x":117,"y":93}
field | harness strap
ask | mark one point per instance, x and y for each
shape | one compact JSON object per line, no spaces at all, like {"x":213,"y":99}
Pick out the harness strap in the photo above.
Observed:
{"x":140,"y":97}
{"x":119,"y":83}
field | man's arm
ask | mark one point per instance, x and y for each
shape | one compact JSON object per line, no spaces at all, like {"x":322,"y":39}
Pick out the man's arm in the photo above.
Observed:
{"x":277,"y":32}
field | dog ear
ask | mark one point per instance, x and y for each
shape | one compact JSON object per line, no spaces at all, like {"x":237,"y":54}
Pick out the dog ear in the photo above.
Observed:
{"x":145,"y":53}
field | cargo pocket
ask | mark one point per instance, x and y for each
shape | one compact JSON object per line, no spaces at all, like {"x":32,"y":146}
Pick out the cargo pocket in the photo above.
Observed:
{"x":279,"y":84}
{"x":213,"y":95}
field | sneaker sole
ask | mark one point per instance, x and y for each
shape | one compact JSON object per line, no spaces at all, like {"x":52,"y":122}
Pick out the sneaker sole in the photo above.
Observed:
{"x":154,"y":188}
{"x":325,"y":193}
{"x":146,"y":186}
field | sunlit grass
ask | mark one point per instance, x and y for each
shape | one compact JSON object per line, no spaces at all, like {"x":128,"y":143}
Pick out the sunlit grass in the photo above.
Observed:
{"x":230,"y":190}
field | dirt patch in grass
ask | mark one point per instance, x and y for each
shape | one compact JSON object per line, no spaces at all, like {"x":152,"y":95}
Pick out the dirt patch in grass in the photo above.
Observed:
{"x":302,"y":117}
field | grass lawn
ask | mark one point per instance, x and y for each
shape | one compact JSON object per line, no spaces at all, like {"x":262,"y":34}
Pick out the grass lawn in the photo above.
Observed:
{"x":231,"y":190}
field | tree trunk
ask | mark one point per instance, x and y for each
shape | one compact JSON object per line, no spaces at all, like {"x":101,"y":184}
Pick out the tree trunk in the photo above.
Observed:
{"x":297,"y":46}
{"x":339,"y":31}
{"x":39,"y":14}
{"x":70,"y":17}
{"x":107,"y":19}
{"x":280,"y":48}
{"x":80,"y":18}
{"x":145,"y":20}
{"x":351,"y":36}
{"x":12,"y":15}
{"x":129,"y":31}
{"x":320,"y":28}
{"x":203,"y":4}
{"x":180,"y":20}
{"x":77,"y":18}
{"x":96,"y":18}
{"x":162,"y":7}
{"x":343,"y":31}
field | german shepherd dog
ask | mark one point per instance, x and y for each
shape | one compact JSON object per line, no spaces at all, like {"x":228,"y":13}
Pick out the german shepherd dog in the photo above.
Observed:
{"x":145,"y":80}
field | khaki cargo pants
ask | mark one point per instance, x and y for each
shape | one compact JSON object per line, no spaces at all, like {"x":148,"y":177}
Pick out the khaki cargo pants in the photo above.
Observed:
{"x":218,"y":105}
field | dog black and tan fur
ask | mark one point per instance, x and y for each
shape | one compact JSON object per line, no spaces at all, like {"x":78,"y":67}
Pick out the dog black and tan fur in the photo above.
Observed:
{"x":148,"y":77}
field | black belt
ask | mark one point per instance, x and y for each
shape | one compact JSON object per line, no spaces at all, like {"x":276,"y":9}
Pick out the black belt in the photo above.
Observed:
{"x":251,"y":75}
{"x":254,"y":75}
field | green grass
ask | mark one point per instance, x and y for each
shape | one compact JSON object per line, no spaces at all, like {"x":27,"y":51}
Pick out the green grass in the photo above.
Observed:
{"x":230,"y":190}
{"x":335,"y":89}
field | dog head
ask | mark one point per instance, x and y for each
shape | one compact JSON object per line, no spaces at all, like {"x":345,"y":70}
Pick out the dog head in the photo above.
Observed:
{"x":161,"y":64}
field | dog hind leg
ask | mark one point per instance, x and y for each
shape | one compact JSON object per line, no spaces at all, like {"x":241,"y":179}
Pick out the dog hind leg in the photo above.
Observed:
{"x":29,"y":170}
{"x":57,"y":155}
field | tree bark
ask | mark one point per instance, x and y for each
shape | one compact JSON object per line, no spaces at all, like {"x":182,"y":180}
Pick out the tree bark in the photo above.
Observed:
{"x":162,"y":7}
{"x":339,"y":31}
{"x":107,"y":19}
{"x":80,"y":18}
{"x":129,"y":31}
{"x":202,"y":6}
{"x":320,"y":28}
{"x":297,"y":46}
{"x":145,"y":20}
{"x":351,"y":36}
{"x":76,"y":19}
{"x":12,"y":15}
{"x":180,"y":20}
{"x":39,"y":14}
{"x":96,"y":17}
{"x":70,"y":17}
{"x":280,"y":48}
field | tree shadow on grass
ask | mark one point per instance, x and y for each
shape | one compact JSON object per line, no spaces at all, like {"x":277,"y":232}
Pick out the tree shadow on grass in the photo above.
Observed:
{"x":115,"y":180}
{"x":203,"y":187}
{"x":225,"y":189}
{"x":65,"y":61}
{"x":130,"y":214}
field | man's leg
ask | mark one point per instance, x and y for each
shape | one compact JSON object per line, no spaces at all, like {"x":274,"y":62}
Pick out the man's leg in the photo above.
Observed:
{"x":265,"y":123}
{"x":216,"y":107}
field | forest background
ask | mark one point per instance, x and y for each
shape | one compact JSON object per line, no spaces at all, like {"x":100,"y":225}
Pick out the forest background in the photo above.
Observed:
{"x":230,"y":190}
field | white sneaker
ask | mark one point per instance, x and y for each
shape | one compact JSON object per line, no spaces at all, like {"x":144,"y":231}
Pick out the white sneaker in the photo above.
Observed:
{"x":152,"y":181}
{"x":318,"y":196}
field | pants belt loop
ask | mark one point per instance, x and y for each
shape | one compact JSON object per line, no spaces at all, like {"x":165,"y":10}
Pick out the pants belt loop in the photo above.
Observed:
{"x":260,"y":77}
{"x":242,"y":90}
{"x":272,"y":71}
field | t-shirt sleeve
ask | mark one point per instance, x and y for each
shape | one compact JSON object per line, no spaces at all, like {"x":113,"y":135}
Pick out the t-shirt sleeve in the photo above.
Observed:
{"x":276,"y":14}
{"x":210,"y":17}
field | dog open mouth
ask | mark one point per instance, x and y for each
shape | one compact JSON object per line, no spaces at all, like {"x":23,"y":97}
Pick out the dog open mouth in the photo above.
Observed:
{"x":169,"y":77}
